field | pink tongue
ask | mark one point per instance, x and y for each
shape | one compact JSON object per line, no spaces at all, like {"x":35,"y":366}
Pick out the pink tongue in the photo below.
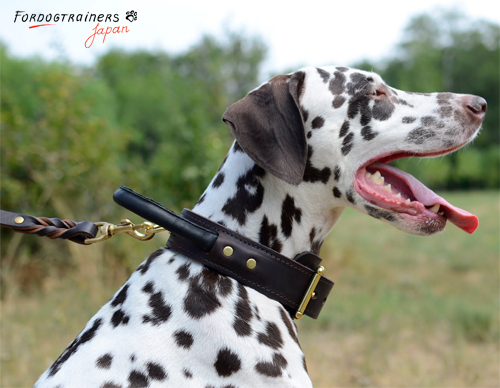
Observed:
{"x":461,"y":218}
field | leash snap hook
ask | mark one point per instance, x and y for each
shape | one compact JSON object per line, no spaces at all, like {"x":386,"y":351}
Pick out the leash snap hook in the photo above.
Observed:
{"x":107,"y":230}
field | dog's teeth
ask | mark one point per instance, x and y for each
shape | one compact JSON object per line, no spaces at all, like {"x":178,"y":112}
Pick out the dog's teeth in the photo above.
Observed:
{"x":441,"y":213}
{"x":378,"y":178}
{"x":388,"y":188}
{"x":434,"y":208}
{"x":407,"y":200}
{"x":368,"y":175}
{"x":398,"y":195}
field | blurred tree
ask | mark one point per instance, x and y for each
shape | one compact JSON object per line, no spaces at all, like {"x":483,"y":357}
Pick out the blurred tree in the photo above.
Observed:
{"x":172,"y":107}
{"x":59,"y":150}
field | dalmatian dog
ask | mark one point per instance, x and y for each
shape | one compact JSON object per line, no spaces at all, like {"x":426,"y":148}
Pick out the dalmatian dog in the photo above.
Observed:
{"x":308,"y":145}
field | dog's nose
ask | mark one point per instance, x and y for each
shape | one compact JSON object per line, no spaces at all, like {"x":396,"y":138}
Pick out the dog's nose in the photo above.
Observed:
{"x":478,"y":106}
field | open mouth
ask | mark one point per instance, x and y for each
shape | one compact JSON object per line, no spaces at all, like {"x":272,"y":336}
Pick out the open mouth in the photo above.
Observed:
{"x":392,"y":189}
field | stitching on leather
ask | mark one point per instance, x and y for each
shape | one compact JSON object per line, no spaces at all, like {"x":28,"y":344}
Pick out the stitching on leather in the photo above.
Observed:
{"x":174,"y":245}
{"x":200,"y":220}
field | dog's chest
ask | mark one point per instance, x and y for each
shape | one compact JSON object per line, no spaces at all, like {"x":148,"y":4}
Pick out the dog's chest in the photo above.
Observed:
{"x":175,"y":321}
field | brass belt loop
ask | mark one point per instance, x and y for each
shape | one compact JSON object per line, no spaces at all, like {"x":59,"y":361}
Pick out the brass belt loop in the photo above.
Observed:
{"x":310,"y":291}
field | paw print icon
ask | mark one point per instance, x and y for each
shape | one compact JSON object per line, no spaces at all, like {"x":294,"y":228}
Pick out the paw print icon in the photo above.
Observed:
{"x":131,"y":16}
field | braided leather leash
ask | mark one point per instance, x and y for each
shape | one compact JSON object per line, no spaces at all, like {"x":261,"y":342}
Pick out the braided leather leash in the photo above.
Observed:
{"x":53,"y":228}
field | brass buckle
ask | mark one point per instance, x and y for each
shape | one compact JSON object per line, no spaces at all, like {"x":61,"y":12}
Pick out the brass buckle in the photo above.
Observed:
{"x":310,"y":292}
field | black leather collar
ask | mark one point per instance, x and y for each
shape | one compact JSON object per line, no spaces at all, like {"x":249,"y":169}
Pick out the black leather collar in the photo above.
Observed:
{"x":297,"y":284}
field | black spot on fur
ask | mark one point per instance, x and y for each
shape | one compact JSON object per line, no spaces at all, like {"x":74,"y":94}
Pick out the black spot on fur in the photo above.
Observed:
{"x":408,"y":119}
{"x":338,"y":101}
{"x":359,"y":85}
{"x":132,"y":357}
{"x":183,"y":271}
{"x":200,"y":299}
{"x":382,"y":109}
{"x":289,"y":213}
{"x":313,"y":174}
{"x":187,"y":373}
{"x":317,"y":122}
{"x":227,"y":363}
{"x":160,"y":311}
{"x":273,"y":368}
{"x":120,"y":297}
{"x":268,"y":235}
{"x":156,"y":371}
{"x":148,"y":288}
{"x":202,"y":198}
{"x":445,"y":111}
{"x":316,"y":246}
{"x":183,"y":339}
{"x":289,"y":324}
{"x":219,"y":180}
{"x":104,"y":362}
{"x":213,"y":282}
{"x":344,"y":129}
{"x":119,"y":318}
{"x":325,"y":76}
{"x":304,"y":363}
{"x":357,"y":105}
{"x":272,"y":336}
{"x":347,"y":144}
{"x":237,"y":147}
{"x":343,"y":69}
{"x":309,"y":134}
{"x":152,"y":257}
{"x":428,"y":120}
{"x":73,"y":347}
{"x":305,"y":113}
{"x":243,"y":313}
{"x":337,"y":84}
{"x":110,"y":384}
{"x":256,"y":312}
{"x":376,"y":213}
{"x":368,"y":133}
{"x":336,"y":173}
{"x":312,"y":234}
{"x":350,"y":197}
{"x":137,"y":379}
{"x":444,"y":98}
{"x":419,"y":135}
{"x":336,"y":192}
{"x":246,"y":201}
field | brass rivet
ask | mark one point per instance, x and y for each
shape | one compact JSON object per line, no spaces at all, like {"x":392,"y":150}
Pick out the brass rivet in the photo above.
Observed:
{"x":228,"y":251}
{"x":251,"y":263}
{"x":19,"y":220}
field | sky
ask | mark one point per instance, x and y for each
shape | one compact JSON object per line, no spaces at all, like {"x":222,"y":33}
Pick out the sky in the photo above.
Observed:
{"x":297,"y":33}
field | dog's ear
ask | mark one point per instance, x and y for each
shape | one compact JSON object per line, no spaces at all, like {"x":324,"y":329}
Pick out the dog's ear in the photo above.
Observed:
{"x":268,"y":125}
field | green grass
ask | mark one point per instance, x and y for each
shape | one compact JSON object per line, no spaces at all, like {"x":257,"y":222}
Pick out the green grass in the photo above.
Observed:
{"x":405,"y":311}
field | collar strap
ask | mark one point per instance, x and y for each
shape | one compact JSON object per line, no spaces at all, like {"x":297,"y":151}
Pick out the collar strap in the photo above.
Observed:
{"x":297,"y":284}
{"x":302,"y":290}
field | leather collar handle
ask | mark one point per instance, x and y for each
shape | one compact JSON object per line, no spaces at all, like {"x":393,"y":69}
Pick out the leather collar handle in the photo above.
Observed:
{"x":166,"y":218}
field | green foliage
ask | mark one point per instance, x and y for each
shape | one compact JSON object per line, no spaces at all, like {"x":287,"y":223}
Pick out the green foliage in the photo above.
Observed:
{"x":72,"y":135}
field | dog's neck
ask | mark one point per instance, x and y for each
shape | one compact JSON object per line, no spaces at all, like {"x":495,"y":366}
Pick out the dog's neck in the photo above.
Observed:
{"x":286,"y":218}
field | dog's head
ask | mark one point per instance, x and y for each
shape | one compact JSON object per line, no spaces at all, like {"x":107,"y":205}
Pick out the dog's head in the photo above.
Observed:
{"x":340,"y":127}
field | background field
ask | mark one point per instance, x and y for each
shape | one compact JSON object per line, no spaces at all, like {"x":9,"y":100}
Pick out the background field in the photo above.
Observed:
{"x":405,"y":311}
